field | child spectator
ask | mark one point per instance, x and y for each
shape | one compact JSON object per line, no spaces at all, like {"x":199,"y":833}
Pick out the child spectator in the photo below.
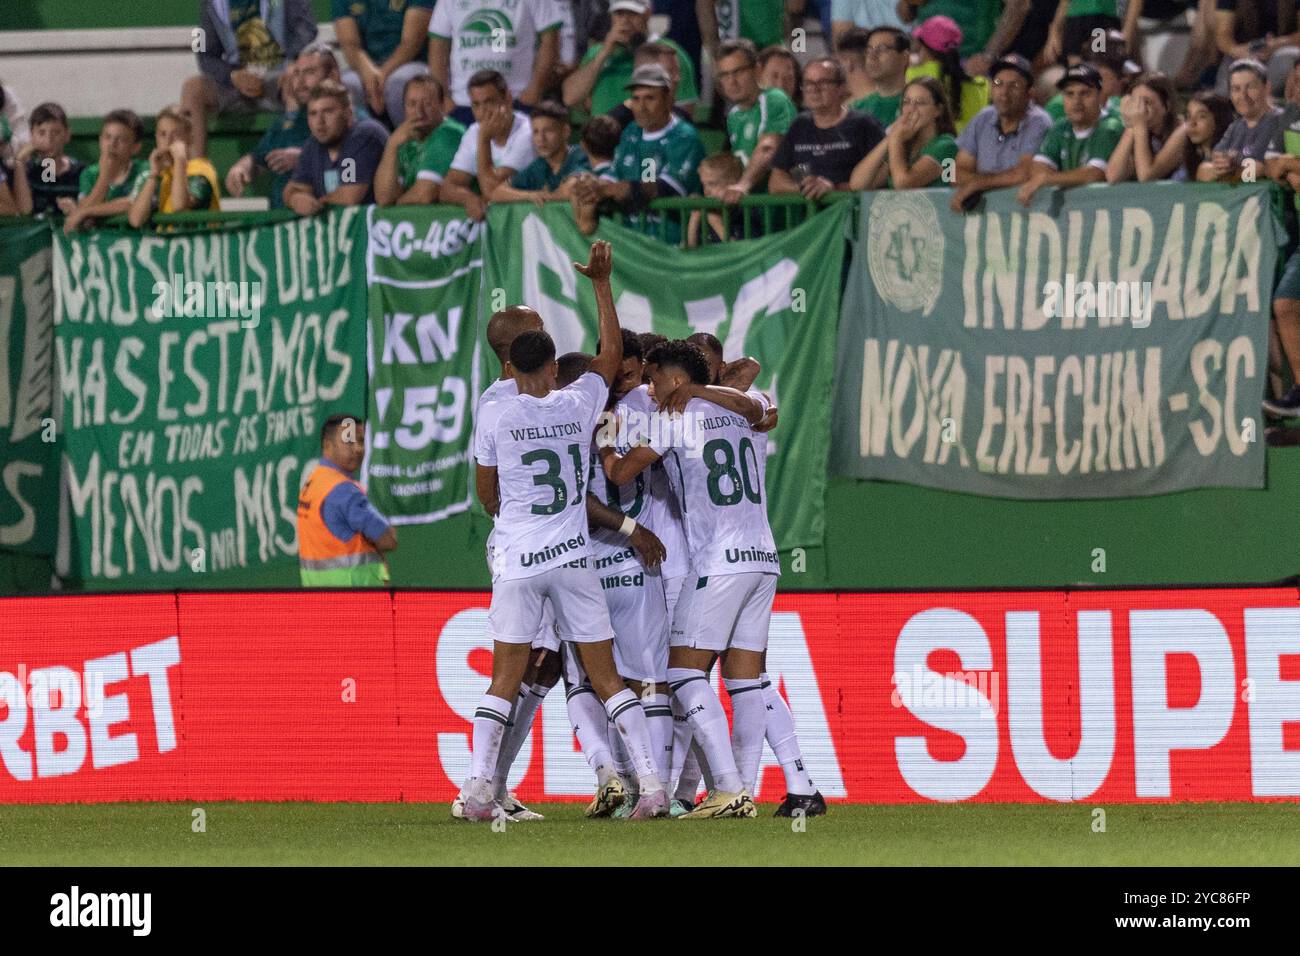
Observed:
{"x":175,"y":183}
{"x":548,"y":176}
{"x":938,"y":40}
{"x":920,"y":146}
{"x":46,"y":178}
{"x":1208,"y":117}
{"x":105,"y":187}
{"x":717,"y":174}
{"x":599,"y":142}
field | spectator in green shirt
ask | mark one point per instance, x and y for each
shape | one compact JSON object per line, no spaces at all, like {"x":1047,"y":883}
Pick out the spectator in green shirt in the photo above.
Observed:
{"x":888,"y":54}
{"x":397,"y":181}
{"x":385,"y":43}
{"x":1076,"y":151}
{"x":920,"y":148}
{"x":106,"y":185}
{"x":599,"y":83}
{"x":757,"y":119}
{"x":548,"y":176}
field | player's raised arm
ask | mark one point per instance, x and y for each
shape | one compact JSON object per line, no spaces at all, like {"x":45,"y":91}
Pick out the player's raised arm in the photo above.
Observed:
{"x":610,"y":354}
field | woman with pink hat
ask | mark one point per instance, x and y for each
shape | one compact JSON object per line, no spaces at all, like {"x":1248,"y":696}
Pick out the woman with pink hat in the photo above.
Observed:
{"x":938,"y":46}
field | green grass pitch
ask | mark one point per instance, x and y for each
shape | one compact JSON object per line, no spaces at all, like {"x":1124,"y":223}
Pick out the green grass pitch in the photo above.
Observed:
{"x":270,"y":834}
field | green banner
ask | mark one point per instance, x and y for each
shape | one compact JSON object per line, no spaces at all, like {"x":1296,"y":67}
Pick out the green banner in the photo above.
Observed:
{"x":775,"y":299}
{"x":424,"y":268}
{"x":1105,"y":342}
{"x":29,"y":487}
{"x":195,"y":372}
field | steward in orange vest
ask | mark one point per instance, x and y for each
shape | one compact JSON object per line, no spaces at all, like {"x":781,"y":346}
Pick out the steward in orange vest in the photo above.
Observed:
{"x":341,"y":537}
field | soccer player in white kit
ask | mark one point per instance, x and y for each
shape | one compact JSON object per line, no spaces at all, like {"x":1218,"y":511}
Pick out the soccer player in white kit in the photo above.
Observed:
{"x":801,"y":795}
{"x":710,"y":459}
{"x":531,"y":474}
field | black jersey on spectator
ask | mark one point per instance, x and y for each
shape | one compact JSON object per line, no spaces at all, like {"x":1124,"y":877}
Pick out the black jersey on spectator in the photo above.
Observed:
{"x":832,"y":152}
{"x":364,"y":145}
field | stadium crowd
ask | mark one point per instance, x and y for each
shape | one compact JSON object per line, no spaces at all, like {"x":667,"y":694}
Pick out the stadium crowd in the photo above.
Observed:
{"x":578,"y":101}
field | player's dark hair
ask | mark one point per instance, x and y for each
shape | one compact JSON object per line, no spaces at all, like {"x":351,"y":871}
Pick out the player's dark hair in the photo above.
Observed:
{"x":683,"y":355}
{"x":706,"y":340}
{"x":648,"y":340}
{"x":531,"y":350}
{"x":601,"y":135}
{"x":129,"y":119}
{"x":631,"y":344}
{"x":48,"y":113}
{"x":331,"y":426}
{"x":551,"y":110}
{"x":489,"y":78}
{"x":572,"y":365}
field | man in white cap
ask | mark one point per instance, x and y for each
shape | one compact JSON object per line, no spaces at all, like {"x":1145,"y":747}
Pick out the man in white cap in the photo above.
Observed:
{"x":598,"y":83}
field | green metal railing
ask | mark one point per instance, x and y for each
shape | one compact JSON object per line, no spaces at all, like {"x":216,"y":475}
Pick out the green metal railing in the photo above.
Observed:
{"x":758,"y":215}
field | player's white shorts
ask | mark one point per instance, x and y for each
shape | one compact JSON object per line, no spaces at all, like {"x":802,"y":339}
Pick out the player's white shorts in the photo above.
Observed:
{"x":673,"y":589}
{"x":725,"y":610}
{"x":639,"y":616}
{"x":546,"y":638}
{"x":575,"y":596}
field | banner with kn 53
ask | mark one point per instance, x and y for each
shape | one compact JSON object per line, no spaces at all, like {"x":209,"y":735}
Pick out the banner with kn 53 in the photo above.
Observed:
{"x":1102,"y":342}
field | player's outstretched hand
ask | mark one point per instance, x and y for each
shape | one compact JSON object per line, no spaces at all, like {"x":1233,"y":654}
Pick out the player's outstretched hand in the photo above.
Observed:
{"x":600,"y":263}
{"x":648,"y":546}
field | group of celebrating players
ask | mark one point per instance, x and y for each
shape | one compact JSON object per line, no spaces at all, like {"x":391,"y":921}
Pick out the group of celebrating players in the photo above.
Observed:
{"x":633,"y":598}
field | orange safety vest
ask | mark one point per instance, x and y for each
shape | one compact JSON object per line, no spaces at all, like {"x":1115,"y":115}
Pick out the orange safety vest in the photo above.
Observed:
{"x":323,"y":559}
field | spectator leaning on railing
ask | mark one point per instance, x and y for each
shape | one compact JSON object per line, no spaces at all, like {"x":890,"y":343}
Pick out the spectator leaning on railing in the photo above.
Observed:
{"x":244,"y":49}
{"x":599,"y":142}
{"x":886,"y":56}
{"x":419,"y":153}
{"x":46,"y":178}
{"x":757,"y":118}
{"x":718,"y":176}
{"x":824,"y":144}
{"x":281,"y":145}
{"x":385,"y":43}
{"x":548,"y":177}
{"x":1076,"y":150}
{"x":337,"y":165}
{"x":176,"y":182}
{"x":656,"y":144}
{"x":1247,"y":139}
{"x":1208,"y":117}
{"x":1154,"y":137}
{"x":996,"y":149}
{"x":497,"y":145}
{"x":468,"y":37}
{"x":105,"y":188}
{"x":920,"y":146}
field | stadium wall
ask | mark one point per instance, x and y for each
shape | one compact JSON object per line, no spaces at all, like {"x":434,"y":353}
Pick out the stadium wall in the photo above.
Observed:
{"x":1106,"y":696}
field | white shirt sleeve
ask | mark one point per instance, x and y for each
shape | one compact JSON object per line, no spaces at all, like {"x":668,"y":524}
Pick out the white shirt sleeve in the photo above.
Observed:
{"x":466,"y":158}
{"x":485,"y":436}
{"x":440,"y":24}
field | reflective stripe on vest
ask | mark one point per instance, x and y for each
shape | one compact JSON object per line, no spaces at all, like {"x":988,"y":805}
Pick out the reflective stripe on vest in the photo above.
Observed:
{"x":323,"y":559}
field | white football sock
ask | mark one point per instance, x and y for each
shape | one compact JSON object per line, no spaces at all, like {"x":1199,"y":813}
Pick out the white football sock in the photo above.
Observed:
{"x":521,"y":723}
{"x":682,"y":735}
{"x":688,"y":783}
{"x":591,"y":727}
{"x":622,"y":759}
{"x":490,"y":721}
{"x":624,"y":709}
{"x":709,"y":722}
{"x":659,"y":721}
{"x":748,"y":717}
{"x":783,"y":740}
{"x":699,"y":766}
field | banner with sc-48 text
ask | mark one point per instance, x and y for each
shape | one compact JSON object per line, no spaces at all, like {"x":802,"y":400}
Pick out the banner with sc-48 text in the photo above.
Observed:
{"x":1103,"y":342}
{"x":29,"y":460}
{"x":775,"y":299}
{"x":424,"y":266}
{"x":195,"y":372}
